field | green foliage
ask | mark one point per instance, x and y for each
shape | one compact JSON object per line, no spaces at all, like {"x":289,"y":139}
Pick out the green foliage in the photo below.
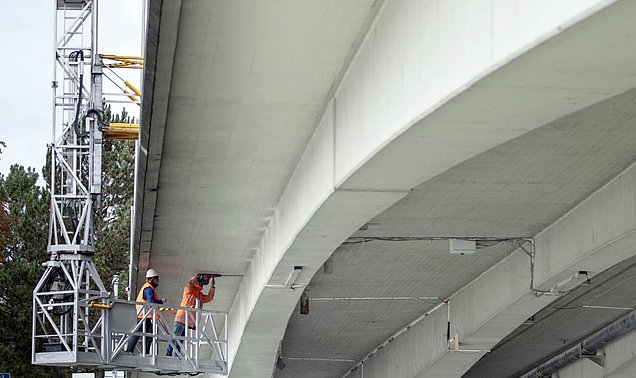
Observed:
{"x":24,"y":219}
{"x":112,"y":225}
{"x":25,"y":206}
{"x":123,"y":117}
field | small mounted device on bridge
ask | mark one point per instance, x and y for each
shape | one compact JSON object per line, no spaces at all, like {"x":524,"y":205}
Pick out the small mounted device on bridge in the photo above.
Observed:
{"x":462,"y":247}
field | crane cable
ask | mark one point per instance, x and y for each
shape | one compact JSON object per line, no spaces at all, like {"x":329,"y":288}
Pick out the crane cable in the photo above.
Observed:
{"x":73,"y":57}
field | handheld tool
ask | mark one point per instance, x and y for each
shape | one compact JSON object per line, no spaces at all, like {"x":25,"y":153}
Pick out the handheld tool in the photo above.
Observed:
{"x":204,"y":278}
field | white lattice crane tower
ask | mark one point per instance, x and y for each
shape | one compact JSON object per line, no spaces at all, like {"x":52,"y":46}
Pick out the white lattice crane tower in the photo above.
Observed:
{"x":76,"y":321}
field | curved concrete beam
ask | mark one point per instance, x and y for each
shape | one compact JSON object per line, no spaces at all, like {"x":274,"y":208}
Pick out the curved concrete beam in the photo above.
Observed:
{"x":592,"y":237}
{"x":405,"y":112}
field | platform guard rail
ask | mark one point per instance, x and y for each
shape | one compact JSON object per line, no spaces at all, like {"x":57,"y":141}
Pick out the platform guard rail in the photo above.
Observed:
{"x":93,"y":331}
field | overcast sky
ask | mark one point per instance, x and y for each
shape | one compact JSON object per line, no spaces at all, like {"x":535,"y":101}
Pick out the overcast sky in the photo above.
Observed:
{"x":26,"y":70}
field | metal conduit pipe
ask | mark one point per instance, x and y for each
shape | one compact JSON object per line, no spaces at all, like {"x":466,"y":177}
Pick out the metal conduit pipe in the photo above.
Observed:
{"x":352,"y":299}
{"x":589,"y":345}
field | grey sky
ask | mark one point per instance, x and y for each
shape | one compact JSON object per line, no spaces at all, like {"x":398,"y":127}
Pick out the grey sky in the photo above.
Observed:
{"x":26,"y":70}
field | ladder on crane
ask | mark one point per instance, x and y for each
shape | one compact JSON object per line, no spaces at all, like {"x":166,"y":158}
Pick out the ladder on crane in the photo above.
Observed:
{"x":76,"y":321}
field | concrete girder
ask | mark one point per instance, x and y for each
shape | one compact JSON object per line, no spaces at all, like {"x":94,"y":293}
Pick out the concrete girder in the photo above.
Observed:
{"x":619,"y":358}
{"x":161,"y":41}
{"x":595,"y":235}
{"x":347,"y":173}
{"x":616,"y":359}
{"x":583,"y":368}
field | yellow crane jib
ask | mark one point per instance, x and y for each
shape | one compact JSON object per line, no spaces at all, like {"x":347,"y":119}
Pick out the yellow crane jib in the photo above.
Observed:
{"x":132,"y":88}
{"x":122,"y":61}
{"x":127,"y":131}
{"x":135,"y":90}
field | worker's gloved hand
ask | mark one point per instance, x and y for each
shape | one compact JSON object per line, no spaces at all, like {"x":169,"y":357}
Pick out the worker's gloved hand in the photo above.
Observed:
{"x":164,"y":300}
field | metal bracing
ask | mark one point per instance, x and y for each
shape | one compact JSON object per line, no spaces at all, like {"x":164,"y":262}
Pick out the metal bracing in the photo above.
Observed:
{"x":128,"y":90}
{"x":86,"y":327}
{"x":76,"y":135}
{"x":200,"y":349}
{"x":76,"y":322}
{"x":63,"y":322}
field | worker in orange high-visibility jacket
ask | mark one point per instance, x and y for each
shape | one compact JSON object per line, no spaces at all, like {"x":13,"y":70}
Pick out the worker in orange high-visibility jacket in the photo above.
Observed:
{"x":148,"y":294}
{"x":192,"y":297}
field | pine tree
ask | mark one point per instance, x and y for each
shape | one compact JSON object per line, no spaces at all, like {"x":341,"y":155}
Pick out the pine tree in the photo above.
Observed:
{"x":25,"y":206}
{"x":112,"y":225}
{"x":24,"y":223}
{"x":5,"y":222}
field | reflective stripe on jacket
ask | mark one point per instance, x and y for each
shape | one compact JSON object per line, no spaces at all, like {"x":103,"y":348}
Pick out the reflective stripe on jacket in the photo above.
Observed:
{"x":140,"y":298}
{"x":192,"y":292}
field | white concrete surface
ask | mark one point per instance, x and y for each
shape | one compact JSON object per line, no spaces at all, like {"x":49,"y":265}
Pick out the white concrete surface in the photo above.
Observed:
{"x":373,"y":106}
{"x":419,"y":55}
{"x":581,"y":369}
{"x":617,"y":359}
{"x":595,"y":235}
{"x":432,"y":84}
{"x":620,"y":357}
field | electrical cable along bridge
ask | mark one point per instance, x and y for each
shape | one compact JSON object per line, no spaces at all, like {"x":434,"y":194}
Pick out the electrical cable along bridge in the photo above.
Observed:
{"x":76,"y":321}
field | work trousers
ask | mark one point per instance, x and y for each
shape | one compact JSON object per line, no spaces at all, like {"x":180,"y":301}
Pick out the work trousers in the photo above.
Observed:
{"x":179,"y":330}
{"x":132,"y":342}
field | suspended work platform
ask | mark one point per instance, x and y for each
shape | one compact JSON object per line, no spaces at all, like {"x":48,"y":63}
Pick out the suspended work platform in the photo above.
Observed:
{"x":76,"y":324}
{"x":76,"y":321}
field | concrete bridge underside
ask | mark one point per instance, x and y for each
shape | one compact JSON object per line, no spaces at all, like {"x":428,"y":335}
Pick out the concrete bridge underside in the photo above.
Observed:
{"x":274,"y":132}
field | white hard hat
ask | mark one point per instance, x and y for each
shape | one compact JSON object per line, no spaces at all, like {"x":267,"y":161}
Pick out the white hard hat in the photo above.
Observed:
{"x":152,"y":273}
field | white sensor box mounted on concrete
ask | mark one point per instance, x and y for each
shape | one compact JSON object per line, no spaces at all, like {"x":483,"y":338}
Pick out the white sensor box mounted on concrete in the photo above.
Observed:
{"x":462,"y":247}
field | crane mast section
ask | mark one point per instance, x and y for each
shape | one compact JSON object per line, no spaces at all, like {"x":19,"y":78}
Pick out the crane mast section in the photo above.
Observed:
{"x":76,"y":148}
{"x":76,"y":321}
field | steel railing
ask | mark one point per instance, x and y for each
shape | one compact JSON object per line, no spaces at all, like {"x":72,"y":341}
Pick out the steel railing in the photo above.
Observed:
{"x":94,"y":331}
